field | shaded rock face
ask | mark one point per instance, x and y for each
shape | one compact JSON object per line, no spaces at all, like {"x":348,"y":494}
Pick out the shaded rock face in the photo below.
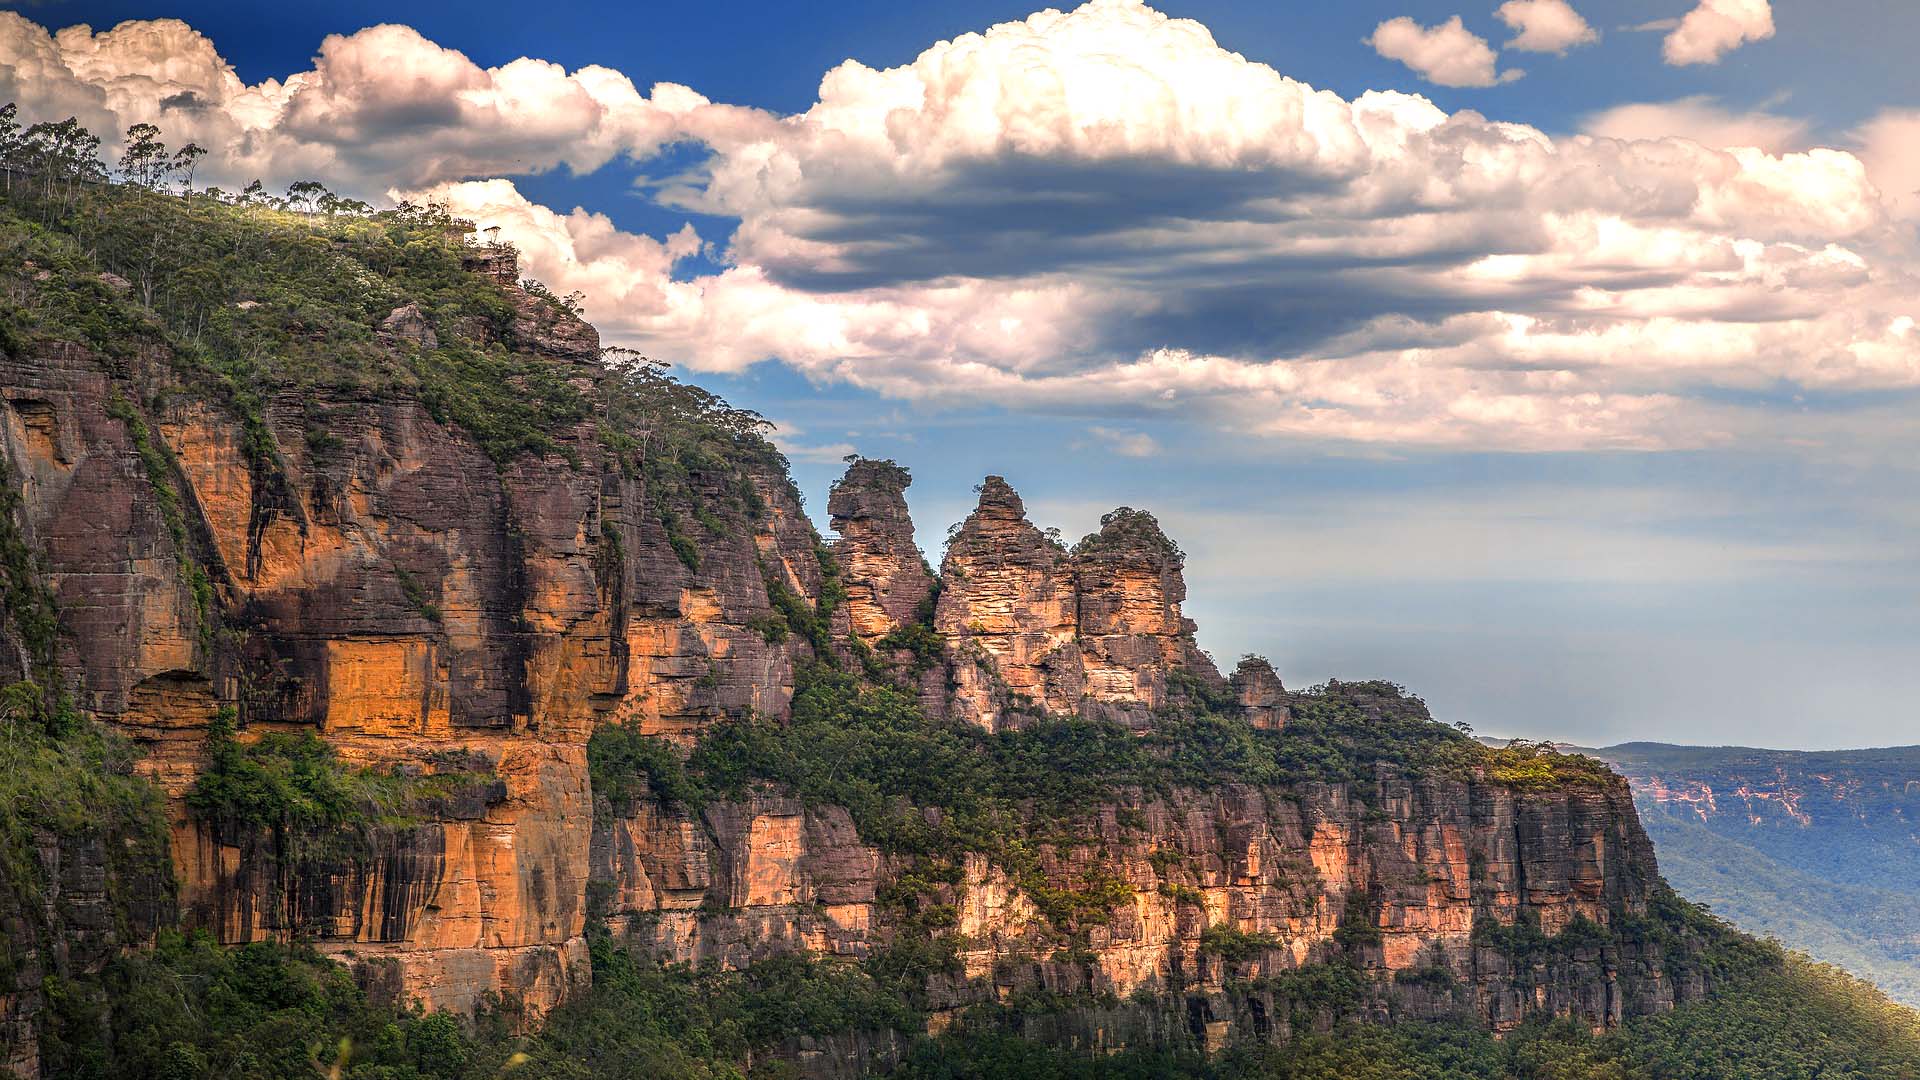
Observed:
{"x":1033,"y":627}
{"x":1257,"y":688}
{"x":887,"y":578}
{"x":389,"y":586}
{"x":1412,"y":863}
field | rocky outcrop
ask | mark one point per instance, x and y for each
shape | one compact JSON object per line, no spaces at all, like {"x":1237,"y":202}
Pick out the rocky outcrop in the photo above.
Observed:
{"x":887,"y":579}
{"x":740,"y":881}
{"x":378,"y":578}
{"x":1257,"y":688}
{"x":358,"y":566}
{"x":1008,"y":611}
{"x":1035,"y":628}
{"x":1133,"y":639}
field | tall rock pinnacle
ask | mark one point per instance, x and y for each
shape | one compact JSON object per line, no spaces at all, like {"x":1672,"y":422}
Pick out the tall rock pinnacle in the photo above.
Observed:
{"x":886,"y":577}
{"x":1007,"y":609}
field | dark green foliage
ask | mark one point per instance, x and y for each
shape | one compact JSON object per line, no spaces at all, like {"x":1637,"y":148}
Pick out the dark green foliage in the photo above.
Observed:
{"x":1523,"y":941}
{"x":1232,"y":944}
{"x":1127,"y":529}
{"x":920,"y":639}
{"x":297,"y":787}
{"x":648,"y":1022}
{"x":251,"y":301}
{"x":190,"y":1008}
{"x":626,"y":767}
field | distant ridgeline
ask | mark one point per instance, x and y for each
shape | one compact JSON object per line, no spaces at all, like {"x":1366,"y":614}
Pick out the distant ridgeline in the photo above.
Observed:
{"x":1821,"y":850}
{"x":398,"y":685}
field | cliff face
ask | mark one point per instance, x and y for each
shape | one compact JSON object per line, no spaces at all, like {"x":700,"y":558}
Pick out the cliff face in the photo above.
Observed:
{"x":385,"y":583}
{"x":1403,"y":865}
{"x":887,"y":579}
{"x":353,"y":564}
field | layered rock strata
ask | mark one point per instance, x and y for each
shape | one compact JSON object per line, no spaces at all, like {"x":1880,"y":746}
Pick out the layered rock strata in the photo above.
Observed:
{"x":379,"y":579}
{"x":1036,"y":628}
{"x":392,"y":588}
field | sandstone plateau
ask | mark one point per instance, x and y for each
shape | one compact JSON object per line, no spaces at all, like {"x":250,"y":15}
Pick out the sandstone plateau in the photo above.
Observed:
{"x":377,"y":578}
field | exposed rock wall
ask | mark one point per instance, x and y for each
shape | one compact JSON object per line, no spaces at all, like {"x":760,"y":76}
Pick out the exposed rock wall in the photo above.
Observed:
{"x":1411,"y":862}
{"x":383,"y":582}
{"x":379,"y":579}
{"x":887,"y":577}
{"x":1034,"y":627}
{"x":1007,"y":610}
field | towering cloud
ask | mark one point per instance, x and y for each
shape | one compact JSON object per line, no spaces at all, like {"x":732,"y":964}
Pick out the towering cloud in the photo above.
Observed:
{"x":1104,"y":210}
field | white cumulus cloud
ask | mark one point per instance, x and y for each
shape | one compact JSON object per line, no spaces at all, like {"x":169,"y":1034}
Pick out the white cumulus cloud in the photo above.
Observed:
{"x":1715,"y":28}
{"x":1106,"y":213}
{"x":1548,"y":26}
{"x":379,"y":107}
{"x":1446,"y":54}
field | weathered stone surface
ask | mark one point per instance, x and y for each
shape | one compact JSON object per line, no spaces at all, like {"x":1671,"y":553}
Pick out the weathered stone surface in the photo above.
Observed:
{"x":1007,"y":610}
{"x":1133,"y":638}
{"x":740,"y":881}
{"x":409,"y":324}
{"x":887,"y":577}
{"x":1035,"y":628}
{"x":389,"y":586}
{"x":1257,"y":687}
{"x":1418,"y":860}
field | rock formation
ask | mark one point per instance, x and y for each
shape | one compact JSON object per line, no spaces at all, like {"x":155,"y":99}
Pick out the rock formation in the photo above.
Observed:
{"x":1007,"y":610}
{"x":376,"y":576}
{"x":887,"y":579}
{"x":388,"y":586}
{"x":1095,"y":631}
{"x":1257,"y":688}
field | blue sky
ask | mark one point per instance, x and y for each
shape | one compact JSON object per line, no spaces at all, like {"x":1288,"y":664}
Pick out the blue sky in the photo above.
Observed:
{"x":1567,"y":456}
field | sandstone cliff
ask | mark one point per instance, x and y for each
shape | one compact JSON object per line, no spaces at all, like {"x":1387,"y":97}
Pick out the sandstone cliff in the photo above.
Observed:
{"x":357,"y":561}
{"x":381,"y":580}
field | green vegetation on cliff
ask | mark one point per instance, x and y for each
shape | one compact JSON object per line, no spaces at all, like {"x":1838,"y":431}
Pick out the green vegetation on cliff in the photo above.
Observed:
{"x":263,"y":1012}
{"x":922,"y":787}
{"x":297,"y":785}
